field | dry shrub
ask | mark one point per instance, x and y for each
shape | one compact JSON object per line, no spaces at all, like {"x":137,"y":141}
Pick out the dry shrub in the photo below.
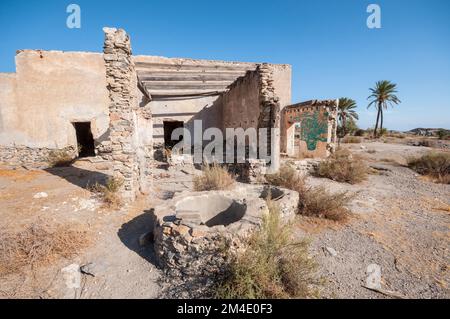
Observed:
{"x":435,"y":165}
{"x":60,"y":158}
{"x":287,"y":177}
{"x":39,"y":245}
{"x":395,"y":135}
{"x":343,"y":167}
{"x":318,"y":202}
{"x":109,"y":192}
{"x":351,"y":140}
{"x":314,"y":201}
{"x":271,"y":265}
{"x":214,"y":177}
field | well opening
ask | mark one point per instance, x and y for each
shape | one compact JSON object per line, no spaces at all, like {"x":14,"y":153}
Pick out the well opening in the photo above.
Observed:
{"x":271,"y":192}
{"x":210,"y":210}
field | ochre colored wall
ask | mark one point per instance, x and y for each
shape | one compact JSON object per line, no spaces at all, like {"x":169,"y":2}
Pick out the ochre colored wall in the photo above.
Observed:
{"x":315,"y":131}
{"x":49,"y":90}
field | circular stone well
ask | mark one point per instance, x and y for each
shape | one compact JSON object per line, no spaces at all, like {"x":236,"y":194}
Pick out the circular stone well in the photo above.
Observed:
{"x":192,"y":231}
{"x":210,"y":210}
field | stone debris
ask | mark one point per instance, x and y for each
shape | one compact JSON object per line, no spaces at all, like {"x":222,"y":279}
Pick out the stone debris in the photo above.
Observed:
{"x":93,"y":269}
{"x":72,"y":276}
{"x":331,"y":251}
{"x":40,"y":195}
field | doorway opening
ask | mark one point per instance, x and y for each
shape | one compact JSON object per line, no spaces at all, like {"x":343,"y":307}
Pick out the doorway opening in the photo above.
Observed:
{"x":169,"y":127}
{"x":85,"y":139}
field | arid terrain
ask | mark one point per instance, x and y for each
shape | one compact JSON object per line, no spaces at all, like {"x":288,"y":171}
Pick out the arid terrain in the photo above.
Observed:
{"x":400,"y":221}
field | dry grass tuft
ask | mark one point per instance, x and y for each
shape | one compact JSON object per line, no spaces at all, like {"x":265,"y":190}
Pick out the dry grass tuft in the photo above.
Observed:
{"x":109,"y":192}
{"x":271,"y":265}
{"x":433,"y":164}
{"x":60,"y":158}
{"x":318,"y":202}
{"x":351,"y":140}
{"x":214,"y":177}
{"x":39,"y":245}
{"x":314,"y":201}
{"x":343,"y":167}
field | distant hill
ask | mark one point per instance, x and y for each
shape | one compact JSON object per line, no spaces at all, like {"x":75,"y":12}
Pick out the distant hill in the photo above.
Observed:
{"x":428,"y":131}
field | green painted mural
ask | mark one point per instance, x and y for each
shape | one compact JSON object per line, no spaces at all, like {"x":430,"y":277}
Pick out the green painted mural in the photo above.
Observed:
{"x":313,"y":128}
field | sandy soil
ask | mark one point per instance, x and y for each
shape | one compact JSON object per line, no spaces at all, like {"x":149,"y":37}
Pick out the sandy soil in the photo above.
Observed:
{"x":400,"y":222}
{"x":122,"y":268}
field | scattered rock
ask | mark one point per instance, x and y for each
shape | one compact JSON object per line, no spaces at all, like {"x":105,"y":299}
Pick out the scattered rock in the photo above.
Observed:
{"x":40,"y":195}
{"x":72,"y":276}
{"x":331,"y":251}
{"x":93,"y":269}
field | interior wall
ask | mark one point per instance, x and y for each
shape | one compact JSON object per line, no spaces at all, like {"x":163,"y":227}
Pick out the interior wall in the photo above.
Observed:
{"x":49,"y":90}
{"x":241,"y":104}
{"x":206,"y":109}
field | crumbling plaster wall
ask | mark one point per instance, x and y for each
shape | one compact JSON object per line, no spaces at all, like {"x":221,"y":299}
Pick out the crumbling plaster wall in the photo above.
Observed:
{"x":241,"y":104}
{"x":256,"y":100}
{"x":49,"y":90}
{"x":317,"y":128}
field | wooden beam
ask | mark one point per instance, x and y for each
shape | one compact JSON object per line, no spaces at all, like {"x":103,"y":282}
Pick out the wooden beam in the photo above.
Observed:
{"x":180,"y":93}
{"x":160,"y":85}
{"x":183,"y":76}
{"x":184,"y":67}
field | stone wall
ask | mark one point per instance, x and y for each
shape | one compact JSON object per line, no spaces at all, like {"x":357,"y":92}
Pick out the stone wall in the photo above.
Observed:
{"x":120,"y":147}
{"x":270,"y":113}
{"x":252,"y":102}
{"x":22,"y":156}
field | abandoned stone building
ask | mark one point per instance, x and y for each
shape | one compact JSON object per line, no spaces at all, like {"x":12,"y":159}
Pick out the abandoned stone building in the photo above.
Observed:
{"x":120,"y":108}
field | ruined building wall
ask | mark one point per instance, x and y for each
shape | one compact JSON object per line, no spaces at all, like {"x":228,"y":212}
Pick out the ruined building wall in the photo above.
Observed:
{"x":166,"y":79}
{"x":315,"y":134}
{"x":241,"y":105}
{"x":121,"y":146}
{"x":38,"y":103}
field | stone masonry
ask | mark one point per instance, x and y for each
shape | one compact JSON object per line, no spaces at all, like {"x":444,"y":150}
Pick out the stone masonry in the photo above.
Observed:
{"x":270,"y":110}
{"x":122,"y":86}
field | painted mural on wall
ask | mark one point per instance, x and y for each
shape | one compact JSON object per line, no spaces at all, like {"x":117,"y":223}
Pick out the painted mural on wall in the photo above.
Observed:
{"x":313,"y":128}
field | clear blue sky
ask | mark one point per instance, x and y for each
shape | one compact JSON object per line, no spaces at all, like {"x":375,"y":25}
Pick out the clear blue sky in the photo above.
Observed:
{"x":330,"y":48}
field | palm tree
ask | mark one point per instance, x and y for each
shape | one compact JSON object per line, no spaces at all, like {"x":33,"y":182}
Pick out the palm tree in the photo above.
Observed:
{"x":346,"y":112}
{"x":382,"y":95}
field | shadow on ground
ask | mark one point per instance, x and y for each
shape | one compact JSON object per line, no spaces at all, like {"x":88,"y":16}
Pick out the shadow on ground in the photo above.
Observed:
{"x":80,"y":177}
{"x":130,"y":233}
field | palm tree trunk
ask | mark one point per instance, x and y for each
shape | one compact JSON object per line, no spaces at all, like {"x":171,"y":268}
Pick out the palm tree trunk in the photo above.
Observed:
{"x":381,"y":122}
{"x":378,"y":120}
{"x":344,"y":123}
